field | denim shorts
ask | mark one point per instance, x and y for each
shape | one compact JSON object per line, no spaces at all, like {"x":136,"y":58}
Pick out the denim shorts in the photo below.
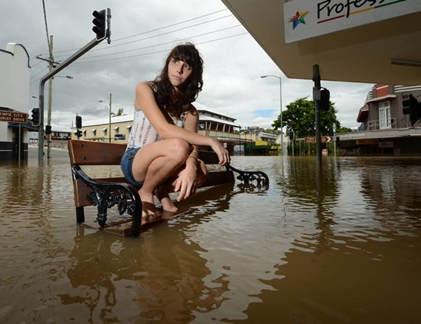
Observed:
{"x":126,"y":165}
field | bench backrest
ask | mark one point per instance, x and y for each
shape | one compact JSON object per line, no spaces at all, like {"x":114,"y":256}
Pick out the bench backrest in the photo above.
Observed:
{"x":100,"y":153}
{"x":95,"y":153}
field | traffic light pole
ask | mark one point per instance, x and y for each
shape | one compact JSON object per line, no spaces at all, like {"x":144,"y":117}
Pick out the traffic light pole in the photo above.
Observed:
{"x":51,"y":74}
{"x":316,"y":99}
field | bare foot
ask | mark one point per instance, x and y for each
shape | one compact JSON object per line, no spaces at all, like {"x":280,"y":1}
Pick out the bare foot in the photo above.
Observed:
{"x":149,"y":212}
{"x":169,"y":209}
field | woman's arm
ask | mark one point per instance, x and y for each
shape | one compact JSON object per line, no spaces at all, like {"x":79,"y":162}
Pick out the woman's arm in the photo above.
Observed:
{"x":190,"y":124}
{"x":187,"y":178}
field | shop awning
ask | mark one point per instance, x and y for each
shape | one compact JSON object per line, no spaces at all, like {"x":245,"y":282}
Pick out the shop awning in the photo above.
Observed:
{"x":384,"y":51}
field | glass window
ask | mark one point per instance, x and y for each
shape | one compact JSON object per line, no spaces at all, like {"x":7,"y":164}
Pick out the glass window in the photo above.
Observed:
{"x":385,"y":120}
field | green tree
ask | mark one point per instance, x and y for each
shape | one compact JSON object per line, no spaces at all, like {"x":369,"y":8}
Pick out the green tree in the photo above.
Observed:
{"x":120,"y":112}
{"x":299,"y":117}
{"x":344,"y":130}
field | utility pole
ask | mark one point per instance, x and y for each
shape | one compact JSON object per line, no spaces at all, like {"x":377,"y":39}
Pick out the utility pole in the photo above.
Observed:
{"x":109,"y":120}
{"x":50,"y":99}
{"x":334,"y":140}
{"x":51,"y":65}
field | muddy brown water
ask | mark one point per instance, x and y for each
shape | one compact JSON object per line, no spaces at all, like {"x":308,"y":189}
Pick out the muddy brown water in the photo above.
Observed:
{"x":346,"y":252}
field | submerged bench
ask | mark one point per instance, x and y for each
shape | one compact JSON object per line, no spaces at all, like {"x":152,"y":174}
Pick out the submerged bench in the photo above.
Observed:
{"x":110,"y":191}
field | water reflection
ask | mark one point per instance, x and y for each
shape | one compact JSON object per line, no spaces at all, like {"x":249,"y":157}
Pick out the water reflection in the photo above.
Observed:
{"x":160,"y":275}
{"x":338,"y":268}
{"x":340,"y":247}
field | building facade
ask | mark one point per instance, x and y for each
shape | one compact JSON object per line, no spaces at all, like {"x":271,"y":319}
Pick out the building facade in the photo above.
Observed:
{"x":14,"y":99}
{"x":385,"y":128}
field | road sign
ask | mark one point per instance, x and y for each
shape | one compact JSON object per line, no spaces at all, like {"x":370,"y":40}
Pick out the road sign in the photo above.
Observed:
{"x":13,"y":117}
{"x":324,"y":139}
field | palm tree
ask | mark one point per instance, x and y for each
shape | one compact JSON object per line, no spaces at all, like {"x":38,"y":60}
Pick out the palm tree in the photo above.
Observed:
{"x":120,"y":112}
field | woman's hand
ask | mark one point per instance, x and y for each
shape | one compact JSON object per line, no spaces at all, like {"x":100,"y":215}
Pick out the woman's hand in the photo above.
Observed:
{"x":186,"y":183}
{"x":222,"y":152}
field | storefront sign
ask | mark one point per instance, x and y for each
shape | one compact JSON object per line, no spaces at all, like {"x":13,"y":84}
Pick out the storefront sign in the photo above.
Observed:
{"x":305,"y":19}
{"x":368,"y":141}
{"x":13,"y":117}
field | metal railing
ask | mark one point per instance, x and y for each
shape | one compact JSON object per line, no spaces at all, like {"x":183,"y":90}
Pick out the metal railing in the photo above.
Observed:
{"x":375,"y":124}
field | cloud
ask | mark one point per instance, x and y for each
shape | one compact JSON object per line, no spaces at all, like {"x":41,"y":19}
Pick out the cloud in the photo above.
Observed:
{"x":142,"y":35}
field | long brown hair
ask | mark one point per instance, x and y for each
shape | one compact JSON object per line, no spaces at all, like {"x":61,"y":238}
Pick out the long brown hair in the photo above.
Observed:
{"x":168,"y":99}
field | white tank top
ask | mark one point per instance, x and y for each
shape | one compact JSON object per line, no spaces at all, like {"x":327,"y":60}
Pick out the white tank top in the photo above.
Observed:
{"x":143,"y":133}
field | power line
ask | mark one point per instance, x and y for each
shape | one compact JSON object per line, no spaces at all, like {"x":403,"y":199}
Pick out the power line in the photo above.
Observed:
{"x":156,"y":45}
{"x":166,"y":33}
{"x":179,"y":23}
{"x":86,"y":59}
{"x":32,"y":77}
{"x":163,"y":51}
{"x":156,"y":29}
{"x":148,"y":53}
{"x":158,"y":35}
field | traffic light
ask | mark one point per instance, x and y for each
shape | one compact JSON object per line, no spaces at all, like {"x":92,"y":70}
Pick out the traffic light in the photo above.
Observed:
{"x":35,"y":117}
{"x":78,"y":134}
{"x":324,"y":99}
{"x":412,"y":108}
{"x":78,"y":121}
{"x":100,"y":24}
{"x":47,"y":130}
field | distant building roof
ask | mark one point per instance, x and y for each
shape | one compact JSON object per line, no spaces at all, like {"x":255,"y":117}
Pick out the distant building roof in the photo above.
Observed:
{"x":103,"y":121}
{"x":216,"y":120}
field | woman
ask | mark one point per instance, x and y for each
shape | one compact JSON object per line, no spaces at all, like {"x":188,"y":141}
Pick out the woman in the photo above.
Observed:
{"x":162,"y":151}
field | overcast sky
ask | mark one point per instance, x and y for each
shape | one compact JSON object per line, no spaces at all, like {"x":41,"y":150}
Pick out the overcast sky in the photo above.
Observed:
{"x":143,"y":32}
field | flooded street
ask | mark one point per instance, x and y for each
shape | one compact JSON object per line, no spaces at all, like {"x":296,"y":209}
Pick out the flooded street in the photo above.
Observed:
{"x":348,"y":253}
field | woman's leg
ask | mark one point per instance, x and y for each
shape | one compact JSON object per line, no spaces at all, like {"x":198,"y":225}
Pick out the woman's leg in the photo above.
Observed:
{"x":153,"y":164}
{"x":163,"y":191}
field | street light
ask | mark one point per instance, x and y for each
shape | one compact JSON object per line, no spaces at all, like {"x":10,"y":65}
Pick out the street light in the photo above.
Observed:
{"x":63,"y":76}
{"x":280,"y":101}
{"x":109,"y":118}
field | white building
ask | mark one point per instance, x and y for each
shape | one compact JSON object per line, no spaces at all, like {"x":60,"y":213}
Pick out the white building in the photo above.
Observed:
{"x":14,"y":99}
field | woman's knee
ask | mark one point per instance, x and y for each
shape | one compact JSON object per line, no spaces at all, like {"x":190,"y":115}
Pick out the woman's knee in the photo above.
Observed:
{"x":180,"y":148}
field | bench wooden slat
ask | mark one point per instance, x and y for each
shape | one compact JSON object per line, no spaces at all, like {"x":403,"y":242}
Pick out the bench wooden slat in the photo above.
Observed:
{"x":95,"y":153}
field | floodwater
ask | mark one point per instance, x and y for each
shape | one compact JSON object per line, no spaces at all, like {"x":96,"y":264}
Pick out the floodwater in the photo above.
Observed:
{"x":345,"y":249}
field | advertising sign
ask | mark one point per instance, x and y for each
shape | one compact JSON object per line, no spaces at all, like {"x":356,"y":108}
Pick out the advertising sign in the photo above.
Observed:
{"x":305,"y":19}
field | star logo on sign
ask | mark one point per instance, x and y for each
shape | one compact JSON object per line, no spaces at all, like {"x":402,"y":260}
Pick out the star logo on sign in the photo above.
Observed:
{"x":298,"y":19}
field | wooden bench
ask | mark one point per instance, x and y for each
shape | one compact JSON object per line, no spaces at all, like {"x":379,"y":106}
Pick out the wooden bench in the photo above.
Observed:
{"x":110,"y":190}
